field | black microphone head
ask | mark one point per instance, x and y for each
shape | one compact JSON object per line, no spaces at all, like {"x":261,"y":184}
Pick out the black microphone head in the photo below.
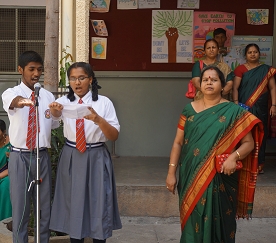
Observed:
{"x":37,"y":85}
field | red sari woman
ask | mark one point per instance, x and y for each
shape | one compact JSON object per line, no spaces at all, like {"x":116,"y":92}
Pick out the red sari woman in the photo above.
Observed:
{"x":254,"y":85}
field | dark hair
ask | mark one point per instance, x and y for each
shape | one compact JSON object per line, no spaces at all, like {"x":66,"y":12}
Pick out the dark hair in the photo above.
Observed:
{"x":88,"y":70}
{"x":213,"y":40}
{"x":250,"y":45}
{"x":2,"y":125}
{"x":29,"y":56}
{"x":218,"y":31}
{"x":220,"y":74}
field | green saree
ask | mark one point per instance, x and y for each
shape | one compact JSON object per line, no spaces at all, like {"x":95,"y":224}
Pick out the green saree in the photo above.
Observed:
{"x":5,"y":202}
{"x":254,"y":92}
{"x":209,"y":202}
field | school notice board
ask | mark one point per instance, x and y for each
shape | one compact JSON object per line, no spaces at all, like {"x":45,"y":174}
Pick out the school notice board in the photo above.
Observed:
{"x":130,"y":31}
{"x":236,"y":55}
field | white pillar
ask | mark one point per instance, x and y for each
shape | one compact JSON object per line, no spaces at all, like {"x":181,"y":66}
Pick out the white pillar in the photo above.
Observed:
{"x":67,"y":26}
{"x":82,"y":30}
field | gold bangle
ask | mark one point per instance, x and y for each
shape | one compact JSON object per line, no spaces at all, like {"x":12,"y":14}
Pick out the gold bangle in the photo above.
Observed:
{"x":173,"y":165}
{"x":239,"y":156}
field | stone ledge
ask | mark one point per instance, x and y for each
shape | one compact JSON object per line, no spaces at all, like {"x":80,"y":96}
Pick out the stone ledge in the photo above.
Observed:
{"x":155,"y":201}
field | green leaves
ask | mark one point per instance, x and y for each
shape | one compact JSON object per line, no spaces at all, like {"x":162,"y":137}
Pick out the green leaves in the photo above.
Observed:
{"x":66,"y":59}
{"x":181,"y":20}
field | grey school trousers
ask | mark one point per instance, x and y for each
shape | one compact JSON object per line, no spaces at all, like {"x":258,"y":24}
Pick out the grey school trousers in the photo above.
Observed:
{"x":22,"y":170}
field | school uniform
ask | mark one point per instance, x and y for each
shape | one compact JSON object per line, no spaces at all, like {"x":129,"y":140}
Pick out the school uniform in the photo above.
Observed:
{"x":85,"y":200}
{"x":22,"y":162}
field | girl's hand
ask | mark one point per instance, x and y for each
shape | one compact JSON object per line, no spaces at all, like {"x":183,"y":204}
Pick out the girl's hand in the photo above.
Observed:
{"x":93,"y":116}
{"x":56,"y":106}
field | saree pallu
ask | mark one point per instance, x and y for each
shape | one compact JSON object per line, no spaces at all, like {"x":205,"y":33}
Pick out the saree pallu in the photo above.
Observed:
{"x":254,"y":92}
{"x":209,"y":202}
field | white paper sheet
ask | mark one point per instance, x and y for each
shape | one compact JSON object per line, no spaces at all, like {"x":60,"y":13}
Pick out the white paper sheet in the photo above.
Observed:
{"x":75,"y":111}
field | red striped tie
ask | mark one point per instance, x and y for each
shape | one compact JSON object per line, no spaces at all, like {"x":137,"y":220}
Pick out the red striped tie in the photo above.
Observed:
{"x":80,"y":135}
{"x":31,"y":135}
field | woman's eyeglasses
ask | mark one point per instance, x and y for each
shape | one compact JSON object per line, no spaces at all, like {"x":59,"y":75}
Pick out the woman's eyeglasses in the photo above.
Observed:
{"x":74,"y":79}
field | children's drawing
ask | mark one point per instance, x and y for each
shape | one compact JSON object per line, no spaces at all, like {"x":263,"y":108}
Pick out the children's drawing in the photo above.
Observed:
{"x":192,"y":4}
{"x":127,"y":4}
{"x":172,"y":32}
{"x":99,"y":6}
{"x":149,"y":3}
{"x":257,"y":16}
{"x":99,"y":27}
{"x":204,"y":25}
{"x":99,"y":47}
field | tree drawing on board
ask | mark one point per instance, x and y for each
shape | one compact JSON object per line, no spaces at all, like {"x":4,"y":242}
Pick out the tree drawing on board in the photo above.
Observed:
{"x":171,"y":24}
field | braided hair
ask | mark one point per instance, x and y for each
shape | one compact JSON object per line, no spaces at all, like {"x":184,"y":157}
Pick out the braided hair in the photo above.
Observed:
{"x":88,"y":70}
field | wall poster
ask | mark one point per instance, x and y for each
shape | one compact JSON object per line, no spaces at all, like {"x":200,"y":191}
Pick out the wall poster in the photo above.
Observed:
{"x":98,"y":46}
{"x":204,"y":25}
{"x":172,"y":36}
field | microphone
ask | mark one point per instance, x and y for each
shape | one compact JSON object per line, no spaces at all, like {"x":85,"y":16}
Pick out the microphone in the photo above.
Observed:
{"x":37,"y":87}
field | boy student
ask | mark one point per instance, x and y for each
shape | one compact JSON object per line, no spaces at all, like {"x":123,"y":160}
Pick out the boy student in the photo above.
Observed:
{"x":19,"y":103}
{"x":219,"y":35}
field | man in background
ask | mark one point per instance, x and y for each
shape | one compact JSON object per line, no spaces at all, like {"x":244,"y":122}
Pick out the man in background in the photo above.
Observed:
{"x":219,"y":35}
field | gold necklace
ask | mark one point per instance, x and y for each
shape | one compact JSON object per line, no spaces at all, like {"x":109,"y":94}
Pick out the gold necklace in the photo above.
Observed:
{"x":249,"y":68}
{"x":211,"y":105}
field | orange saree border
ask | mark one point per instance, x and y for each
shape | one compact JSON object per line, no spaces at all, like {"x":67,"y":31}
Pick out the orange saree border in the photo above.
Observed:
{"x":261,"y":88}
{"x":181,"y":122}
{"x":246,"y":123}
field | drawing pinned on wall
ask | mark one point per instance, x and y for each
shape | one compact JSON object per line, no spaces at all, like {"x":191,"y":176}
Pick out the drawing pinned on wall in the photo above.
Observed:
{"x":191,"y":4}
{"x":127,"y":4}
{"x":204,"y":25}
{"x":257,"y":16}
{"x":99,"y":46}
{"x":149,"y":3}
{"x":172,"y":36}
{"x":99,"y":27}
{"x":100,"y":6}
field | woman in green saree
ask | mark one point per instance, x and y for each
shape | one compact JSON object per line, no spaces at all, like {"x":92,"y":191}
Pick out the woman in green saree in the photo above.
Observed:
{"x":211,"y":49}
{"x":5,"y":201}
{"x":210,"y":200}
{"x":254,"y":86}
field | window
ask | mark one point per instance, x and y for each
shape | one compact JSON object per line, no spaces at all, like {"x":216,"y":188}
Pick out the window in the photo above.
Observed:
{"x":21,"y":29}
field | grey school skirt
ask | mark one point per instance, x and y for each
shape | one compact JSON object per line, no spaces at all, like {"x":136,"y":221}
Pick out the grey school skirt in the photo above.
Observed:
{"x":85,"y":200}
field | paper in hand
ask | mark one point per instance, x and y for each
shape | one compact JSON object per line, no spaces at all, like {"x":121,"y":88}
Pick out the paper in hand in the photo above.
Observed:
{"x":75,"y":111}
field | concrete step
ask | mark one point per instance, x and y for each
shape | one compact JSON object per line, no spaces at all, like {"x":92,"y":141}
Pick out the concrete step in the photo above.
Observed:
{"x":142,"y":192}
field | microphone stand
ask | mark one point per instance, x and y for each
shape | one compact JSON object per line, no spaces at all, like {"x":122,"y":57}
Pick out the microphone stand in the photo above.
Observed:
{"x":37,"y":180}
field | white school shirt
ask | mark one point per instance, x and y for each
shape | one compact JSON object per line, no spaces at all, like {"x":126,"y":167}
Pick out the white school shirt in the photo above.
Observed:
{"x":93,"y":134}
{"x":19,"y":116}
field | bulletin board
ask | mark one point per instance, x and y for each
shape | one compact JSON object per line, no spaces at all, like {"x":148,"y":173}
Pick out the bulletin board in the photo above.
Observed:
{"x":129,"y":33}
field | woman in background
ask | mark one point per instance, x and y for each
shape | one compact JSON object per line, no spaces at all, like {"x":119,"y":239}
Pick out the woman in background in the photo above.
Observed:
{"x":254,"y":85}
{"x":211,"y":49}
{"x":5,"y":202}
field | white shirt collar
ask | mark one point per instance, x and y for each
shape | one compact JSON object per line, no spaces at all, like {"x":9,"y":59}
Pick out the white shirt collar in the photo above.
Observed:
{"x":85,"y":99}
{"x":27,"y":91}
